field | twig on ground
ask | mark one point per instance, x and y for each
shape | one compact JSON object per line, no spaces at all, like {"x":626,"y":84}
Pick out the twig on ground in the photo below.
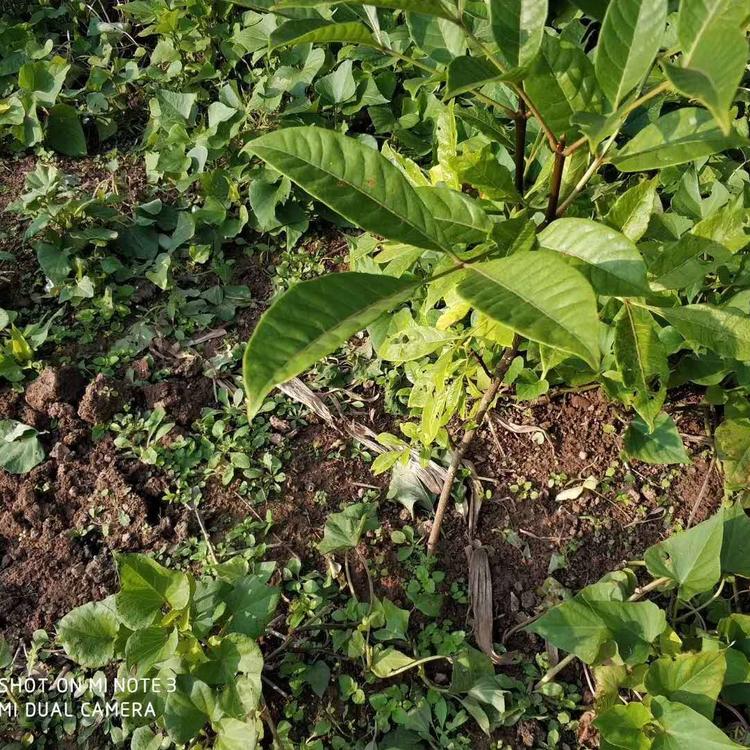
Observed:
{"x":701,"y":493}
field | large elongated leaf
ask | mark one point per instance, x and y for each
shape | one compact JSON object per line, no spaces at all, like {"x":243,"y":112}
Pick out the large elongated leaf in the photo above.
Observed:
{"x":466,"y":73}
{"x":678,"y":137}
{"x":692,"y":679}
{"x":460,"y":217}
{"x":540,"y":296}
{"x":690,"y":558}
{"x":628,"y":43}
{"x":642,"y":361}
{"x":617,"y":267}
{"x":714,"y":54}
{"x":562,"y":82}
{"x":724,"y":330}
{"x":311,"y":320}
{"x":320,"y":31}
{"x":518,"y":29}
{"x":428,"y":7}
{"x":632,"y":210}
{"x":353,"y":179}
{"x":682,"y":263}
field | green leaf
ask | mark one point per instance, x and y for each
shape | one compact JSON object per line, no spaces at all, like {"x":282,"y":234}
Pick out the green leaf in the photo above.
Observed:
{"x":235,"y":654}
{"x":344,"y":530}
{"x":680,"y":264}
{"x":389,"y":662}
{"x":396,"y":623}
{"x":174,"y":108}
{"x":632,"y":211}
{"x":621,"y":727}
{"x":560,"y":83}
{"x":724,"y":330}
{"x":183,"y":719}
{"x":253,"y":604}
{"x":628,"y":42}
{"x":678,"y":137}
{"x":492,"y":179}
{"x":617,"y":267}
{"x":88,"y":634}
{"x":692,"y":679}
{"x":735,"y":551}
{"x":582,"y":627}
{"x":540,"y":296}
{"x":642,"y":361}
{"x":461,"y":218}
{"x":428,"y":7}
{"x":320,"y":31}
{"x":518,"y":29}
{"x":64,"y":132}
{"x":146,"y":587}
{"x":440,"y":40}
{"x":354,"y":180}
{"x":692,"y":558}
{"x":233,"y":734}
{"x":732,"y":438}
{"x":144,"y":739}
{"x":339,"y":86}
{"x":714,"y":54}
{"x":44,"y":79}
{"x":318,"y":676}
{"x":311,"y":320}
{"x":662,"y":445}
{"x":20,"y":449}
{"x":680,"y":727}
{"x":150,"y":646}
{"x":467,"y":73}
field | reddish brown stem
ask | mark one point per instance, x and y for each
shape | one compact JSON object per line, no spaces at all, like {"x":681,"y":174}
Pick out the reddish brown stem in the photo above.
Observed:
{"x":555,"y":183}
{"x":520,"y":144}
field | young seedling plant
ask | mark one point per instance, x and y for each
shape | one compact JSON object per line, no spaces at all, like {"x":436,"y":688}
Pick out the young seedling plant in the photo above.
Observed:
{"x":590,"y":297}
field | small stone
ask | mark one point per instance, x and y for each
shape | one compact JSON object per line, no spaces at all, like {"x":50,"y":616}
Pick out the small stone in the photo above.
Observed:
{"x":280,"y":425}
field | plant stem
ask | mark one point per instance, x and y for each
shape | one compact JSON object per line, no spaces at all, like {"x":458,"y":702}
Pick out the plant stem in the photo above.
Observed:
{"x":662,"y":87}
{"x":588,"y":174}
{"x":522,"y":96}
{"x":551,"y":673}
{"x":468,"y":436}
{"x":206,"y":537}
{"x":555,"y":183}
{"x":708,"y":603}
{"x":643,"y":590}
{"x":520,"y":144}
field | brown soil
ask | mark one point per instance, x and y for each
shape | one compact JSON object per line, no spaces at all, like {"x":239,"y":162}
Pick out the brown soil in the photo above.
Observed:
{"x":595,"y":532}
{"x":60,"y":524}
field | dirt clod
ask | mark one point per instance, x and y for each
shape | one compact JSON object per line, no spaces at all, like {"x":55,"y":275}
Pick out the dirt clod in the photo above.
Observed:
{"x":181,"y":399}
{"x":55,"y":384}
{"x":103,"y":398}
